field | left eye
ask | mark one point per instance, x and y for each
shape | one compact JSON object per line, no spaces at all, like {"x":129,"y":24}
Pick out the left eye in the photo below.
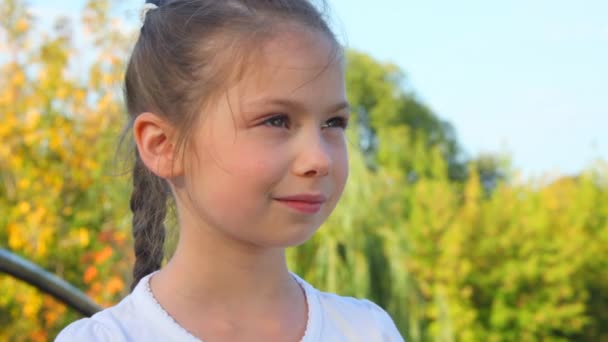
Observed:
{"x":281,"y":121}
{"x":338,"y":121}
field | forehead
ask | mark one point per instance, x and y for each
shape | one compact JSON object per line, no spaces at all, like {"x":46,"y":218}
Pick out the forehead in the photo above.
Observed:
{"x":297,"y":47}
{"x":292,"y":60}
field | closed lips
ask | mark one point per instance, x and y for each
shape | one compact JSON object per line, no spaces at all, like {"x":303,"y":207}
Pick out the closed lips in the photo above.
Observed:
{"x":307,"y":204}
{"x":305,"y":198}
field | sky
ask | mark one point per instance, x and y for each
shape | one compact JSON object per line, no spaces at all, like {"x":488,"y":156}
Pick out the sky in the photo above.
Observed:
{"x":523,"y":78}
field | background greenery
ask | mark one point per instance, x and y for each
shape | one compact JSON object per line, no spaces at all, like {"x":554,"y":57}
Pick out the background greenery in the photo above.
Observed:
{"x":455,"y":249}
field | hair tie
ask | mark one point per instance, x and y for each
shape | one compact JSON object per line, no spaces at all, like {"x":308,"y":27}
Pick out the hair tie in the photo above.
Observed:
{"x":145,"y":9}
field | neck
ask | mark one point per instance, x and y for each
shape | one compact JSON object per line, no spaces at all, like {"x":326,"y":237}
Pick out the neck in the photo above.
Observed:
{"x":206,"y":271}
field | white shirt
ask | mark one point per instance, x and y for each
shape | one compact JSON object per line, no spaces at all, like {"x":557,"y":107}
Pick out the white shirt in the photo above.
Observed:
{"x":139,"y":317}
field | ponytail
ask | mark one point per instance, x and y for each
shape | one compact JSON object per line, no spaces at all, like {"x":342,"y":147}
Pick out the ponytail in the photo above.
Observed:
{"x":149,"y":207}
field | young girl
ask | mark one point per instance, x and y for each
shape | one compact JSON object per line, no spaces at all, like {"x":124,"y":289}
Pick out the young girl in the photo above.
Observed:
{"x":238,"y":111}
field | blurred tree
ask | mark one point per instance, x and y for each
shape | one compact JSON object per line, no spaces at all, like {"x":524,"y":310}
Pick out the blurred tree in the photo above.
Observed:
{"x":379,"y":101}
{"x":58,"y":205}
{"x":493,"y":169}
{"x":454,"y":254}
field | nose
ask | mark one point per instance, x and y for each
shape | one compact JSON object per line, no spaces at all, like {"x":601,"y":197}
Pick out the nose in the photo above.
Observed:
{"x":313,"y":157}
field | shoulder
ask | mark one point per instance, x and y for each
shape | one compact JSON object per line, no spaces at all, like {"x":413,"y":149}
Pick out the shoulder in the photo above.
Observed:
{"x":137,"y":317}
{"x":115,"y":323}
{"x":87,"y":329}
{"x":361,"y":313}
{"x":350,"y":319}
{"x":110,"y":324}
{"x":384,"y":322}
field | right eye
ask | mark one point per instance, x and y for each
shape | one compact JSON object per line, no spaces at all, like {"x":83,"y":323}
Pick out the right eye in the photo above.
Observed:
{"x":280,"y":121}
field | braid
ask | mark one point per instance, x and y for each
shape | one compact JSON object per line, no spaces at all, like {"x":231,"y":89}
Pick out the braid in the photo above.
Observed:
{"x":149,"y":207}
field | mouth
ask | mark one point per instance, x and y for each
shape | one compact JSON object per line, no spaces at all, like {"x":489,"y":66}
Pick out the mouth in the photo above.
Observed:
{"x":304,"y":203}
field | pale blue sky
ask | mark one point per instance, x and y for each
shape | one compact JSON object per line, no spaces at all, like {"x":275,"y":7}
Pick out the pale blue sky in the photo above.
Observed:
{"x":529,"y":78}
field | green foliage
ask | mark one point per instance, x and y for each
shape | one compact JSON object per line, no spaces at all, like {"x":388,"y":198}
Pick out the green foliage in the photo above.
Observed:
{"x":452,"y":254}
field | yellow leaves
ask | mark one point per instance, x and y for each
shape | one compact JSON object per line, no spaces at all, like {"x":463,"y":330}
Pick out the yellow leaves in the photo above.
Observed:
{"x":9,"y":123}
{"x":105,"y":103}
{"x":31,"y":138}
{"x":38,"y":336}
{"x":15,"y":161}
{"x":67,"y":211}
{"x":80,"y":236}
{"x":37,"y":216}
{"x":115,"y":285}
{"x":79,"y":95}
{"x":107,"y":79}
{"x":100,"y":275}
{"x":53,"y":311}
{"x":90,"y":274}
{"x":524,"y":250}
{"x":120,"y":237}
{"x":90,"y":164}
{"x":53,"y":144}
{"x":22,"y":25}
{"x":4,"y":150}
{"x":16,"y":239}
{"x":24,"y":207}
{"x":466,"y":292}
{"x":43,"y":76}
{"x":44,"y":238}
{"x":32,"y":306}
{"x":30,"y":229}
{"x":18,"y":79}
{"x":83,"y":237}
{"x":7,"y":96}
{"x":103,"y":255}
{"x":31,"y":119}
{"x":61,"y":93}
{"x":472,"y":191}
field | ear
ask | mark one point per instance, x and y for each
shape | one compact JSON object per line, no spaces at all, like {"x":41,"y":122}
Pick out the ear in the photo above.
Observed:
{"x":155,"y":140}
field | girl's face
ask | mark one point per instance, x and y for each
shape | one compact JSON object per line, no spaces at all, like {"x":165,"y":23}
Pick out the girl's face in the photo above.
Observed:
{"x":270,"y":159}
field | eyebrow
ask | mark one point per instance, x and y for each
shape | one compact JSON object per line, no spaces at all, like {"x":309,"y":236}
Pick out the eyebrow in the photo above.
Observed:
{"x":344,"y":105}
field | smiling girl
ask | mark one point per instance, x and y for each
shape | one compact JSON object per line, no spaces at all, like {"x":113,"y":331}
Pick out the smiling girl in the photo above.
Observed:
{"x":238,"y":111}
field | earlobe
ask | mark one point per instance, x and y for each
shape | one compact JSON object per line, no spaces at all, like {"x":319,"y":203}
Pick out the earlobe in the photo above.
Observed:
{"x":155,"y":140}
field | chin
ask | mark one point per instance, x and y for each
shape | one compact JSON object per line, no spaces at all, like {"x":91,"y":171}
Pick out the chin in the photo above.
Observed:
{"x":291,"y":238}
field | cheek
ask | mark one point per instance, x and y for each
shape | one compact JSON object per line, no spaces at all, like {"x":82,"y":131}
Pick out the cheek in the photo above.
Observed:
{"x":255,"y":162}
{"x":230,"y":188}
{"x":242,"y":171}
